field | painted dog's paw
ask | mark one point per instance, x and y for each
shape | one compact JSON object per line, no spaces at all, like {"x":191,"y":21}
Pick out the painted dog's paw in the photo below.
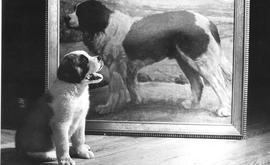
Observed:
{"x":137,"y":100}
{"x":103,"y":109}
{"x":84,"y":151}
{"x":189,"y":104}
{"x":116,"y":101}
{"x":66,"y":161}
{"x":224,"y":112}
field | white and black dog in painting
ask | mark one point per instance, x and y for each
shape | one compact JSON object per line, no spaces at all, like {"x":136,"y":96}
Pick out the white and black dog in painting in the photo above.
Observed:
{"x":129,"y":43}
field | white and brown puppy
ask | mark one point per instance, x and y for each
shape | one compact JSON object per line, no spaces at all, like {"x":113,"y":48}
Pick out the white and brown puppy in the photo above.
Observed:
{"x":58,"y":118}
{"x":128,"y":44}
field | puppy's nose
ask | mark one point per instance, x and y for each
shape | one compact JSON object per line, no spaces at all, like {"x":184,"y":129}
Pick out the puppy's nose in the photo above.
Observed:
{"x":99,"y":58}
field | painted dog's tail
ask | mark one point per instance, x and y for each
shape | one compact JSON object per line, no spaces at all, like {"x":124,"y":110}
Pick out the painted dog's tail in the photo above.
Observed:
{"x":226,"y":68}
{"x":223,"y":64}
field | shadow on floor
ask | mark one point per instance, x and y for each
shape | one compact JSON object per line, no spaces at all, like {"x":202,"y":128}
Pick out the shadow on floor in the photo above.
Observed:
{"x":10,"y":157}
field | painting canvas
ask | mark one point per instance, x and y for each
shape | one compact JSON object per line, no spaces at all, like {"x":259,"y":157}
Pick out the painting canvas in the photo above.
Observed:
{"x":171,"y":67}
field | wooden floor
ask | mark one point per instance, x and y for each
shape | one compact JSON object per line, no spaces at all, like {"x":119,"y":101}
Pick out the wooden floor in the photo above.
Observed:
{"x":122,"y":150}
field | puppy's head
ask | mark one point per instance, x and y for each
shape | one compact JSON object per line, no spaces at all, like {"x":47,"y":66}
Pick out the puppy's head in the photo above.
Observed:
{"x":80,"y":67}
{"x":91,"y":16}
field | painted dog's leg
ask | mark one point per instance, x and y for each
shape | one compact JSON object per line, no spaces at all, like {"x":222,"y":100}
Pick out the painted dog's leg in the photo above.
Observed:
{"x":209,"y":67}
{"x":132,"y":83}
{"x":196,"y":85}
{"x":131,"y":79}
{"x":118,"y":95}
{"x":216,"y":80}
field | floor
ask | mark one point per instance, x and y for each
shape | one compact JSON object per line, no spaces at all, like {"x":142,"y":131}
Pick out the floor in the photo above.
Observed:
{"x":123,"y":150}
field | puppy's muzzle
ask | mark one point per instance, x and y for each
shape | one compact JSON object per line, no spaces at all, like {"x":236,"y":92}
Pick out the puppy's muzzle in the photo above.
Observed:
{"x":94,"y":78}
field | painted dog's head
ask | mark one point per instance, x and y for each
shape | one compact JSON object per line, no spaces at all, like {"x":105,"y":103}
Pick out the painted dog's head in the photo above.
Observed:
{"x":91,"y":16}
{"x":80,"y":67}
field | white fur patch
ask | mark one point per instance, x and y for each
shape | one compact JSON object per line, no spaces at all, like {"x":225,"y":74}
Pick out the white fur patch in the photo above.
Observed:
{"x":115,"y":33}
{"x":45,"y":156}
{"x":79,"y":52}
{"x":213,"y":47}
{"x":202,"y":22}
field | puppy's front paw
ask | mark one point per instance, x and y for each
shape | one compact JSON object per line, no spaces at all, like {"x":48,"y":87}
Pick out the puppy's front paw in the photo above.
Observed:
{"x":83,"y":151}
{"x":116,"y":101}
{"x":66,"y":161}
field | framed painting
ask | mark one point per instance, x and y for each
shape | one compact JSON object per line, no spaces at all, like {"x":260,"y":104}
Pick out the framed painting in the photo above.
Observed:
{"x":172,"y":68}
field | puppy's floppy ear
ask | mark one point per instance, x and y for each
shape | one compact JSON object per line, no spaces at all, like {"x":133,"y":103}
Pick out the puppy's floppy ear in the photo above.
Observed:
{"x":73,"y":68}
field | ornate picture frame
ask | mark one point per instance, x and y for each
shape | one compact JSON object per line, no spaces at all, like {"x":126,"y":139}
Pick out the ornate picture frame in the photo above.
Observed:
{"x":201,"y":123}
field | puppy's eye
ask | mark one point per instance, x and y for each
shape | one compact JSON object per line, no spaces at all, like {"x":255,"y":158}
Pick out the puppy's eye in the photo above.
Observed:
{"x":83,"y":59}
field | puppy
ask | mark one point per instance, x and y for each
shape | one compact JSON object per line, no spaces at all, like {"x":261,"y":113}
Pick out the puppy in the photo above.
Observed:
{"x":59,"y":116}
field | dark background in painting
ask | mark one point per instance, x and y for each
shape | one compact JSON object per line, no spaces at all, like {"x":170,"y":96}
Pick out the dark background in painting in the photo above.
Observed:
{"x":23,"y":56}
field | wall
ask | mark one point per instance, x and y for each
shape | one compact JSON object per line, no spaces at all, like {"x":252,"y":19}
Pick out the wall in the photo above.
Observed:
{"x":23,"y":55}
{"x":259,"y":76}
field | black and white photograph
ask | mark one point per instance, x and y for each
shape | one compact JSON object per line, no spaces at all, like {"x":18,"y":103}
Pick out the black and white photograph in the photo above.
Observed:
{"x":134,"y":82}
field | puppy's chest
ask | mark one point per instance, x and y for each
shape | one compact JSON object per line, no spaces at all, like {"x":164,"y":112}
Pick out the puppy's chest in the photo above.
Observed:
{"x":71,"y":103}
{"x":80,"y":104}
